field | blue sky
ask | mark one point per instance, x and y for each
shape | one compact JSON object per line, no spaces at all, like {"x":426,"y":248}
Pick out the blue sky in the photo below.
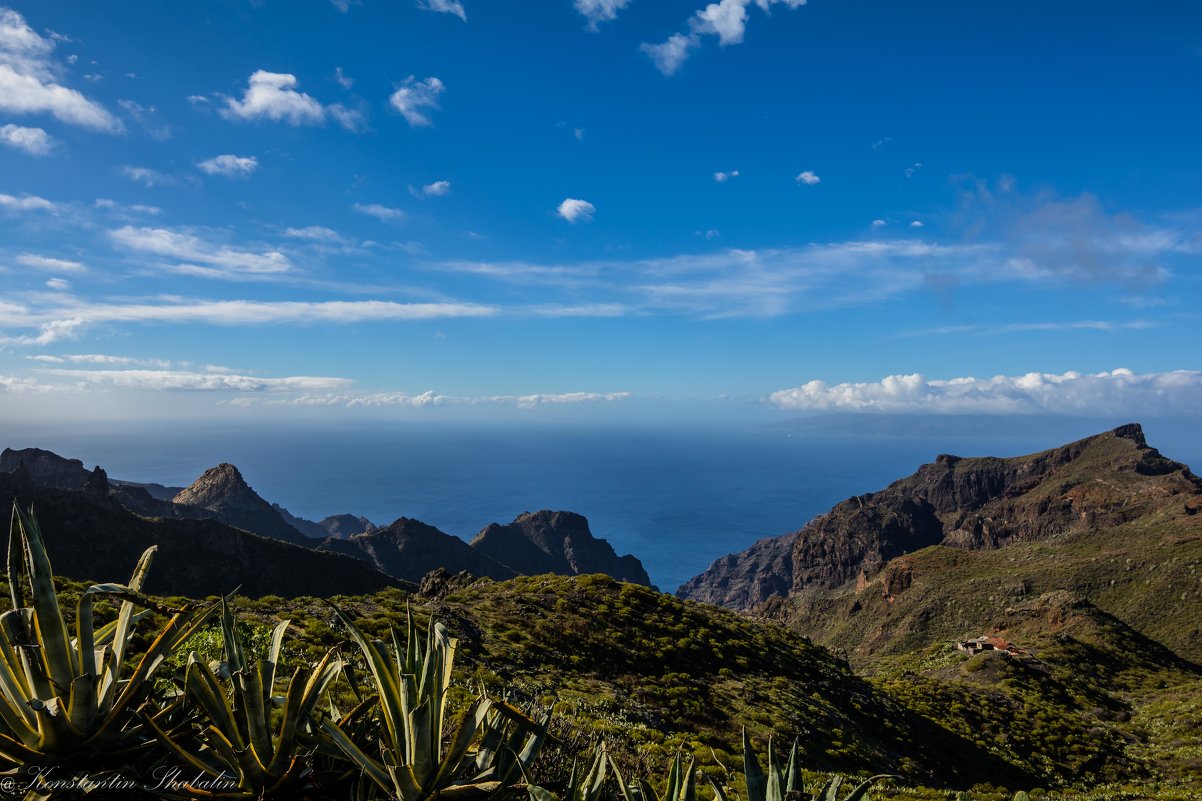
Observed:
{"x":241,"y":208}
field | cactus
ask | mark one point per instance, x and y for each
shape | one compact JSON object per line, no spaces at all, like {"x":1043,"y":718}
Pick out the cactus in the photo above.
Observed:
{"x":776,"y":784}
{"x":586,"y":786}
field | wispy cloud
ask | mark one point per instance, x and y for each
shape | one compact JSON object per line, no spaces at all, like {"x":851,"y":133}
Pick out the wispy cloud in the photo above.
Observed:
{"x":598,"y":11}
{"x":436,"y":189}
{"x":34,"y":141}
{"x":574,"y":210}
{"x":453,"y":7}
{"x":229,"y":166}
{"x":30,"y":79}
{"x":723,"y":177}
{"x":63,"y":316}
{"x":1112,"y":393}
{"x":189,"y":253}
{"x":274,"y":96}
{"x":383,"y":213}
{"x":414,"y":99}
{"x":808,"y":177}
{"x":435,"y":399}
{"x":148,"y":177}
{"x":314,"y":233}
{"x":190,"y":381}
{"x":50,"y":264}
{"x":725,"y":19}
{"x":26,"y":203}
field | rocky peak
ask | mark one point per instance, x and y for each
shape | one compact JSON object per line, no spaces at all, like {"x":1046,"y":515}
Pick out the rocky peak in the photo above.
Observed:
{"x":45,"y":468}
{"x":556,"y":542}
{"x":223,"y":491}
{"x":968,"y":502}
{"x":408,"y":549}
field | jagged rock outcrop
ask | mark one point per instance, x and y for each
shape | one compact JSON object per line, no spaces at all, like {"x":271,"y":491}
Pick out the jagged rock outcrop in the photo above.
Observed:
{"x":223,"y":491}
{"x":1101,"y":481}
{"x":409,"y":549}
{"x":91,"y":537}
{"x":45,"y":468}
{"x":556,"y":542}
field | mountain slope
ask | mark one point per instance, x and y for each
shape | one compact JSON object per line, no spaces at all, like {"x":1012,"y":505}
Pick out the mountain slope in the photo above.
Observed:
{"x":223,"y":491}
{"x":1093,"y":484}
{"x":92,"y":537}
{"x":409,"y":549}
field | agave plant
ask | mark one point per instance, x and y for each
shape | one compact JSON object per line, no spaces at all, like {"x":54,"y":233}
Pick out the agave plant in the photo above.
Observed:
{"x":411,"y":684}
{"x":775,"y":784}
{"x":66,"y":701}
{"x":681,"y":785}
{"x":584,"y":785}
{"x":244,"y":739}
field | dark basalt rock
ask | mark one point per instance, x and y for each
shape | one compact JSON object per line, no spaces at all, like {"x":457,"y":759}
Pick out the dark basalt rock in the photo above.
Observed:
{"x":556,"y":542}
{"x":409,"y":549}
{"x":1101,"y":481}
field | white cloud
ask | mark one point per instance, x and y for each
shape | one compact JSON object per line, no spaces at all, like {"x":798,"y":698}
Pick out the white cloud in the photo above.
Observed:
{"x":808,"y":177}
{"x":414,"y":98}
{"x":59,"y":321}
{"x":274,"y":96}
{"x":229,"y":166}
{"x":437,"y":189}
{"x":101,"y":358}
{"x":147,"y":177}
{"x":575,"y":211}
{"x":122,"y":210}
{"x":343,"y":80}
{"x":26,"y":203}
{"x":14,"y":385}
{"x":34,"y":141}
{"x":725,"y":19}
{"x":48,"y":332}
{"x":182,"y":380}
{"x":918,"y":224}
{"x":431,"y":399}
{"x":879,"y":223}
{"x":598,"y":11}
{"x":315,"y":233}
{"x":29,"y":79}
{"x":198,"y":257}
{"x":444,"y":6}
{"x":670,"y":55}
{"x":50,"y":264}
{"x":723,"y":177}
{"x":383,"y":213}
{"x":58,"y":284}
{"x":913,"y":168}
{"x":1113,"y":393}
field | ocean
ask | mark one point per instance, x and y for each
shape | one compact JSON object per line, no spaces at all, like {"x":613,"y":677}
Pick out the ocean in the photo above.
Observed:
{"x":677,"y":497}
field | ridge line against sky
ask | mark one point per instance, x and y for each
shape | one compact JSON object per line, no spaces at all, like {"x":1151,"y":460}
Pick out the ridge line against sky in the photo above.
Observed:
{"x":599,"y":203}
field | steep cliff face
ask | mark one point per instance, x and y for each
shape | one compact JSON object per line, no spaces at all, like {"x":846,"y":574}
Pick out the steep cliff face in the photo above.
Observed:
{"x":223,"y":491}
{"x":973,"y":503}
{"x":45,"y":468}
{"x":556,"y":542}
{"x":409,"y":549}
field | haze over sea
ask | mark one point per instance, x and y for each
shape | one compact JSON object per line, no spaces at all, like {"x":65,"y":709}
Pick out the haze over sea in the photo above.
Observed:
{"x":677,"y":497}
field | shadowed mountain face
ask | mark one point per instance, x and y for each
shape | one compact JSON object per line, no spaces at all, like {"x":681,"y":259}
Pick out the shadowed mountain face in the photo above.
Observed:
{"x":543,"y":542}
{"x":92,"y":537}
{"x":223,"y":491}
{"x":556,"y":542}
{"x":975,"y":503}
{"x":409,"y":549}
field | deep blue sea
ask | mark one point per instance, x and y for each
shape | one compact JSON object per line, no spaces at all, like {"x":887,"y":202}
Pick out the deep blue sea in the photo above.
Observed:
{"x":677,"y":498}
